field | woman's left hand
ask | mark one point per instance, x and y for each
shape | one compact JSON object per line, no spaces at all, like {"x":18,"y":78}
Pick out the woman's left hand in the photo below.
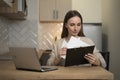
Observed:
{"x":92,"y":58}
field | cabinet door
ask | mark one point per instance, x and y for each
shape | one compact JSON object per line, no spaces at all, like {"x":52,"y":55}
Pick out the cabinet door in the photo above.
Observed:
{"x":62,"y":7}
{"x":9,"y":10}
{"x":54,"y":10}
{"x":6,"y":3}
{"x":90,"y":10}
{"x":47,"y":10}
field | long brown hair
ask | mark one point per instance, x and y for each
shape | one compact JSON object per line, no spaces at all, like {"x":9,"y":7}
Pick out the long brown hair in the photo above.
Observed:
{"x":69,"y":15}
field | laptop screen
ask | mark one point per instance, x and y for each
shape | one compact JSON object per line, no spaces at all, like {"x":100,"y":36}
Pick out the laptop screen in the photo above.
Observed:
{"x":25,"y":58}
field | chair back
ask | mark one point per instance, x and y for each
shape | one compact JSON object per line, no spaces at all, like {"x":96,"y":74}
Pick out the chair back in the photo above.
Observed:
{"x":106,"y":56}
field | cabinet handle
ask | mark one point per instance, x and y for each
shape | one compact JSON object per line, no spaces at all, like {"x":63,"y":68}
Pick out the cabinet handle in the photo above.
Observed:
{"x":57,"y":14}
{"x":54,"y":14}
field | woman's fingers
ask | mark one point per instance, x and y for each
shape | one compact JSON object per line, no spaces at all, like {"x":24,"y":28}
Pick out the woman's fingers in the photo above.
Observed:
{"x":92,"y":59}
{"x":90,"y":56}
{"x":63,"y":51}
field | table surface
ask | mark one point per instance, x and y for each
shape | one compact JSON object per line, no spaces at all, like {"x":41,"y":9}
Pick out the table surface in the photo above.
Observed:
{"x":8,"y":71}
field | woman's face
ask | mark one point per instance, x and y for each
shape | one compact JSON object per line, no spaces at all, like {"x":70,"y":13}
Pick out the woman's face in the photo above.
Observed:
{"x":74,"y":26}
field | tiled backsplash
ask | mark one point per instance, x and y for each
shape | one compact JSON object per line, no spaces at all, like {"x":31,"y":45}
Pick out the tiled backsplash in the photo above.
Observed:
{"x":20,"y":33}
{"x":23,"y":34}
{"x":3,"y":36}
{"x":48,"y":33}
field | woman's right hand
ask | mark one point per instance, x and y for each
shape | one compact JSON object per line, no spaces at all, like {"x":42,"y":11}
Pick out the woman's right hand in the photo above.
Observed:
{"x":62,"y":53}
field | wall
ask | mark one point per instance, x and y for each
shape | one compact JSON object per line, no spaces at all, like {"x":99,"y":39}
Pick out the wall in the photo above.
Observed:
{"x":89,"y":9}
{"x":111,"y":38}
{"x":94,"y":32}
{"x":22,"y":33}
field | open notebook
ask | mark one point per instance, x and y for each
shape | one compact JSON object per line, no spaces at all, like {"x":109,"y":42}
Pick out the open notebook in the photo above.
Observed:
{"x":75,"y":56}
{"x":27,"y":59}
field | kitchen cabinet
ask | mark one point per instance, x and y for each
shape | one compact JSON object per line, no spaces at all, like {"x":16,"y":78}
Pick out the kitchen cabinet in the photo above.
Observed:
{"x":54,"y":10}
{"x":6,"y":3}
{"x":89,"y":9}
{"x":17,"y":11}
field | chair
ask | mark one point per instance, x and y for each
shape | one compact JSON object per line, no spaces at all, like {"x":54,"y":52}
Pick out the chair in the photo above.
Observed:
{"x":44,"y":57}
{"x":106,"y":56}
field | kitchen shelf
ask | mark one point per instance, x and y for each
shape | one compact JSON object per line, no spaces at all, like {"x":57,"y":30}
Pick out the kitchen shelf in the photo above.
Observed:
{"x":18,"y":11}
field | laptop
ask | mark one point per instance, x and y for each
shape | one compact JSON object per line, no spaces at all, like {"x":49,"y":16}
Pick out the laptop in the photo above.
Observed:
{"x":75,"y":56}
{"x":27,"y":59}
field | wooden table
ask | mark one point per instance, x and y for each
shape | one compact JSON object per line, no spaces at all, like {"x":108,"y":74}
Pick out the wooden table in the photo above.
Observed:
{"x":8,"y":72}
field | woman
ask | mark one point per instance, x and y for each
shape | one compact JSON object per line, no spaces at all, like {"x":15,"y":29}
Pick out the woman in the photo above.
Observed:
{"x":73,"y":26}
